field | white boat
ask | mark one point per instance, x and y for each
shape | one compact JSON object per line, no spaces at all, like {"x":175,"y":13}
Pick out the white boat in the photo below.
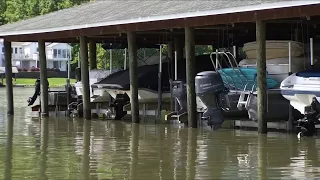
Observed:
{"x":119,"y":83}
{"x":274,"y":49}
{"x":278,"y":68}
{"x":300,"y":88}
{"x":96,"y":95}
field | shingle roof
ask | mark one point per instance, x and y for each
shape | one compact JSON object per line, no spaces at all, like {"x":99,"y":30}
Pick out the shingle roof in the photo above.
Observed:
{"x":104,"y":13}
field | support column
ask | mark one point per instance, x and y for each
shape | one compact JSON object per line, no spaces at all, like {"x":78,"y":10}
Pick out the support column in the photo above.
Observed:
{"x":132,"y":47}
{"x":93,"y":55}
{"x":262,"y":84}
{"x":43,"y":79}
{"x":8,"y":69}
{"x":85,"y":78}
{"x":190,"y":69}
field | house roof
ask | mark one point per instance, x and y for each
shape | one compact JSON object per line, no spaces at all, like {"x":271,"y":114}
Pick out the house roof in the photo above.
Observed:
{"x":108,"y":13}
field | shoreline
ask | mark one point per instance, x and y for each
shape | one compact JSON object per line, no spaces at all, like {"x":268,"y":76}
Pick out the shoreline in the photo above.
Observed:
{"x":32,"y":86}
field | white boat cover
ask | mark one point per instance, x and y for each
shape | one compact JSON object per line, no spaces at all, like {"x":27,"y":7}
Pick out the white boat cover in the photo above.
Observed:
{"x":274,"y":49}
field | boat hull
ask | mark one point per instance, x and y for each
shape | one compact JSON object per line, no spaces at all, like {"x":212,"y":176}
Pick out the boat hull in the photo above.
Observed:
{"x":96,"y":95}
{"x":277,"y":106}
{"x":300,"y":90}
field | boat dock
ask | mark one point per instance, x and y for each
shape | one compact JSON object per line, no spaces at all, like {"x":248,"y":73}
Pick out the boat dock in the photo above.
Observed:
{"x":228,"y":29}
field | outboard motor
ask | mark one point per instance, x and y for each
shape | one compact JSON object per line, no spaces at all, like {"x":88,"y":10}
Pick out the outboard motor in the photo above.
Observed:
{"x":179,"y":92}
{"x":306,"y":125}
{"x":209,"y":89}
{"x":32,"y":99}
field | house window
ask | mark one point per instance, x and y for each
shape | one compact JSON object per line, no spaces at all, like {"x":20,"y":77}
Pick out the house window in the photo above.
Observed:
{"x":68,"y":54}
{"x":64,"y":53}
{"x":16,"y":50}
{"x":56,"y":64}
{"x":20,"y":51}
{"x":2,"y":49}
{"x":55,"y":53}
{"x":59,"y":53}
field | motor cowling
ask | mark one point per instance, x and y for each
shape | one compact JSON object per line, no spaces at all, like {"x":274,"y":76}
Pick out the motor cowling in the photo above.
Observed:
{"x":179,"y":92}
{"x":209,"y":89}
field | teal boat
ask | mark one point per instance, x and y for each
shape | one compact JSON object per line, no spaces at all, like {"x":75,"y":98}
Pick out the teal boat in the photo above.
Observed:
{"x":243,"y":78}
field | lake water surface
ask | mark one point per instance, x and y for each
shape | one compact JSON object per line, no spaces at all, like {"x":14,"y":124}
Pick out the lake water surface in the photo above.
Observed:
{"x":61,"y":148}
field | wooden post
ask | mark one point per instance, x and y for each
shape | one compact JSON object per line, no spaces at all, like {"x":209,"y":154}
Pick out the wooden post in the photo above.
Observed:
{"x":44,"y":147}
{"x":132,"y":47}
{"x":262,"y":85}
{"x":85,"y":78}
{"x":190,"y":69}
{"x":8,"y":69}
{"x":93,"y":54}
{"x":8,"y":149}
{"x":43,"y":79}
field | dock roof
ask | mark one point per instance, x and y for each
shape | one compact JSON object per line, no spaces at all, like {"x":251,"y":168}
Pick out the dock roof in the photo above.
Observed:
{"x":104,"y":13}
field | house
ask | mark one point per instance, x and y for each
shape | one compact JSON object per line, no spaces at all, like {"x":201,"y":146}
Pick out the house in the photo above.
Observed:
{"x":25,"y":55}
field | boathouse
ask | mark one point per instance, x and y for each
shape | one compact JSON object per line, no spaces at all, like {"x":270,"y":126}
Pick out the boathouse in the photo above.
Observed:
{"x":181,"y":24}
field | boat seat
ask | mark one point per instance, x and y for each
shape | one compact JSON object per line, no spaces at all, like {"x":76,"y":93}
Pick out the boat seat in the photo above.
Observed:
{"x":239,"y":78}
{"x":315,"y":72}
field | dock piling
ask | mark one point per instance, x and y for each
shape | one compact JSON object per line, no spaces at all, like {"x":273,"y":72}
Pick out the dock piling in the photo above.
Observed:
{"x":132,"y":47}
{"x":93,"y":54}
{"x":262,"y":84}
{"x":85,"y":78}
{"x":190,"y":70}
{"x":8,"y":69}
{"x":43,"y":79}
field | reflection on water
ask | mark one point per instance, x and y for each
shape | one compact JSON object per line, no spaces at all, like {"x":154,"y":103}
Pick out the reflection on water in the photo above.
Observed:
{"x":60,"y":148}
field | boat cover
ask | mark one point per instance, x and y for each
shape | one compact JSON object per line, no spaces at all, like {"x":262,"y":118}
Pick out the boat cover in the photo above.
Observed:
{"x":314,"y":72}
{"x":148,"y":75}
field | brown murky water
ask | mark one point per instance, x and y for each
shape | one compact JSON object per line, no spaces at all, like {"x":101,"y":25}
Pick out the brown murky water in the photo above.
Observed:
{"x":60,"y":148}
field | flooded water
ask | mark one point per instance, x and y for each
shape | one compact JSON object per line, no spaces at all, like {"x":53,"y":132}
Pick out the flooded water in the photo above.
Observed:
{"x":60,"y":148}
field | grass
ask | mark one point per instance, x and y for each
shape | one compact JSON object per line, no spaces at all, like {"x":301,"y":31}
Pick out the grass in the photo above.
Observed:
{"x":53,"y":82}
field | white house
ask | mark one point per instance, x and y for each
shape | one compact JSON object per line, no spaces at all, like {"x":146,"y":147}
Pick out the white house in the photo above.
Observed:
{"x":25,"y":55}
